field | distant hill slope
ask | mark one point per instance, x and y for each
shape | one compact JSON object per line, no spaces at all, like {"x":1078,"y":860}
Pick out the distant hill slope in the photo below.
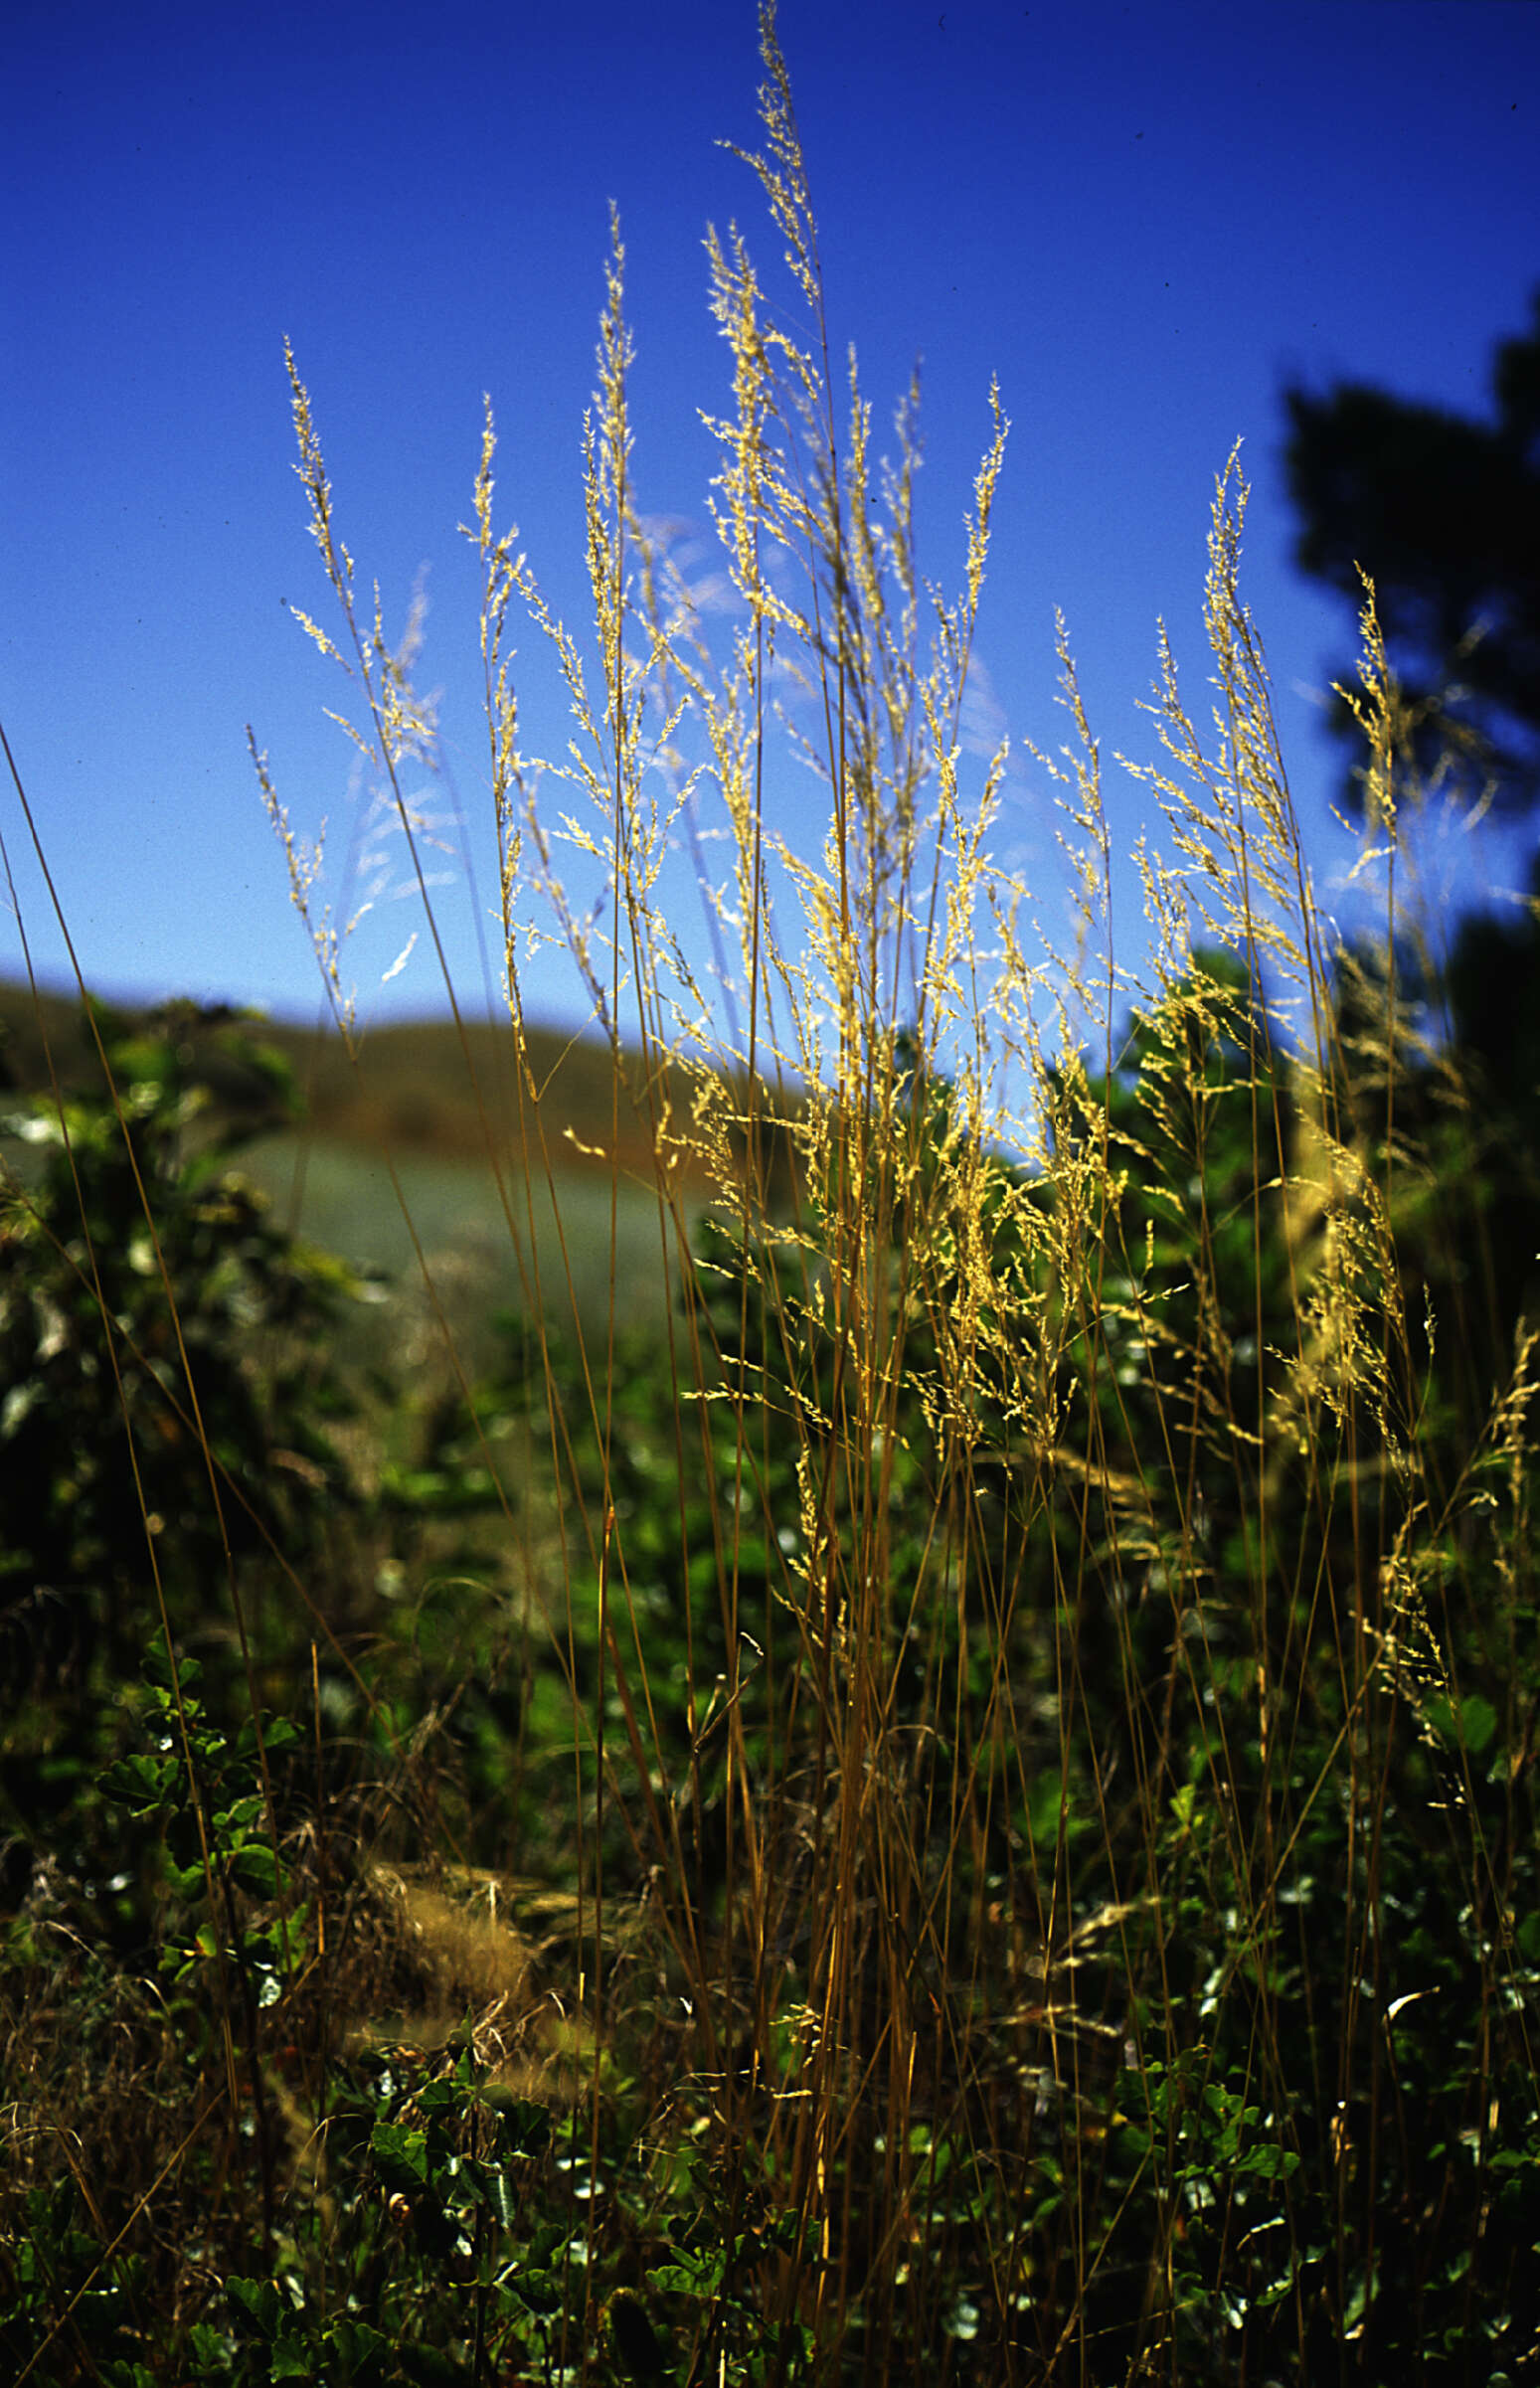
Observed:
{"x":418,"y":1087}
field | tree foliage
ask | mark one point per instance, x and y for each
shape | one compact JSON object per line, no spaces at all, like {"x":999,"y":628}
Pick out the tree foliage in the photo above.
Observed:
{"x":1443,"y":512}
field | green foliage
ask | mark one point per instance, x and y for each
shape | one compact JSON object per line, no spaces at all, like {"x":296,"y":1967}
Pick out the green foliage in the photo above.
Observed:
{"x":1279,"y":2152}
{"x":162,"y":1342}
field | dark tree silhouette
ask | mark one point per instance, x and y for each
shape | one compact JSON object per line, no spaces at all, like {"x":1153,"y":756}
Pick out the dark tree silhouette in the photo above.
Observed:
{"x":1443,"y":512}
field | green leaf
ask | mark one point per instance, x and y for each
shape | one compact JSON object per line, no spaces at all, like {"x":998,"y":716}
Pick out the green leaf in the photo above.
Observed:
{"x":256,"y":1868}
{"x":258,"y":2300}
{"x":400,"y":2154}
{"x":157,"y":1667}
{"x":357,"y":2345}
{"x":140,"y":1783}
{"x":696,"y":2275}
{"x":1267,"y":2162}
{"x":1477,"y":1724}
{"x":524,"y":2124}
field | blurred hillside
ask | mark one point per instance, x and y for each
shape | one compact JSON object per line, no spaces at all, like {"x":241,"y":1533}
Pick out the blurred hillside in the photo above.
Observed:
{"x":386,"y":1161}
{"x":416,"y":1088}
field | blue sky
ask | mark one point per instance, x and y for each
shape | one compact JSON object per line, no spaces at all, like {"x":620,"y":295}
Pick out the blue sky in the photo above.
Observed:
{"x":1143,"y":220}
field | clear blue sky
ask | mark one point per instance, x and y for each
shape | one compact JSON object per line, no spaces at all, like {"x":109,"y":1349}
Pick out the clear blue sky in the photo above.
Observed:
{"x":1143,"y":218}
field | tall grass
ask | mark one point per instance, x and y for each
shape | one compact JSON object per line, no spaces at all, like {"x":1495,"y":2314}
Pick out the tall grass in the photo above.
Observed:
{"x":1025,"y":1695}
